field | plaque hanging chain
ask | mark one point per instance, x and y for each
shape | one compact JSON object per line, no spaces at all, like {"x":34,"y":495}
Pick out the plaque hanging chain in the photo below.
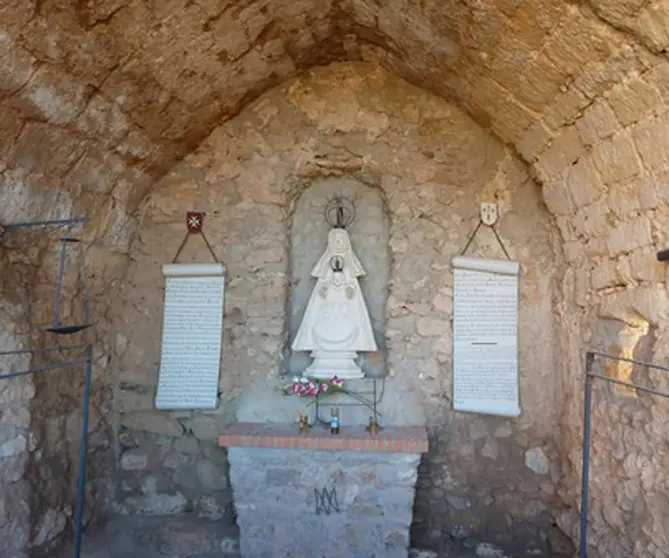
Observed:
{"x":194,"y":226}
{"x":473,"y":235}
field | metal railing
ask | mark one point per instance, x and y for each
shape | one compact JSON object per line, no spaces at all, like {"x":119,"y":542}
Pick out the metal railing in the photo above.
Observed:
{"x":590,"y":378}
{"x":87,"y":361}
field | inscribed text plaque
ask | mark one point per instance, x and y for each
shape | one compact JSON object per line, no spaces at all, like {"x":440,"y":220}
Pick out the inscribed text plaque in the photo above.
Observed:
{"x":485,"y":336}
{"x":191,"y":339}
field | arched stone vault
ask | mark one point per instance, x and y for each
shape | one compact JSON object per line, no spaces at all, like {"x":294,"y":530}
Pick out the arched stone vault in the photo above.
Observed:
{"x":98,"y":99}
{"x":148,"y":80}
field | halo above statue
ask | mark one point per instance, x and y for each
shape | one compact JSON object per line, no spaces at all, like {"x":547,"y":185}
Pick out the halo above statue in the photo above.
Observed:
{"x":339,"y":212}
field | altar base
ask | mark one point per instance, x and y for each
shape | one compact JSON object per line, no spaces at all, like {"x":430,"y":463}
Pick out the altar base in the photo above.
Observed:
{"x":323,"y":496}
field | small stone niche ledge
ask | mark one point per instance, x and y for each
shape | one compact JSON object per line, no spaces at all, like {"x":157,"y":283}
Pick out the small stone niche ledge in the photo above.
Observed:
{"x":321,"y":495}
{"x":394,"y":439}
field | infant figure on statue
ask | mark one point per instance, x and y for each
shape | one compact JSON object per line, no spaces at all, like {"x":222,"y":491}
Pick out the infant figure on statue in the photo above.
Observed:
{"x":336,"y":324}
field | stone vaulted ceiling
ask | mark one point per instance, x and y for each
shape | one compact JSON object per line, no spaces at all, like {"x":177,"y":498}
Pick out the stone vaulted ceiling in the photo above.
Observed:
{"x":103,"y":96}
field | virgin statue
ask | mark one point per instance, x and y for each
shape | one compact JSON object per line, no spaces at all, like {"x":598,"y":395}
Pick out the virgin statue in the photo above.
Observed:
{"x":336,"y":324}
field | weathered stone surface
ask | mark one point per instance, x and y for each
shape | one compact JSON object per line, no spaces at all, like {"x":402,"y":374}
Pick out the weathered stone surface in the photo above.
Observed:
{"x":134,"y":459}
{"x":362,"y":517}
{"x":50,"y":526}
{"x":487,"y":550}
{"x":157,"y":536}
{"x":204,"y":427}
{"x":211,"y":476}
{"x":92,"y":88}
{"x":13,"y":447}
{"x":153,"y":422}
{"x":156,"y":504}
{"x":409,"y":284}
{"x":536,"y":460}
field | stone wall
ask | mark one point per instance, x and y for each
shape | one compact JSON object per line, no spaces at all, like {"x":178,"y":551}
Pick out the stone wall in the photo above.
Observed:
{"x":318,"y":503}
{"x":41,"y":414}
{"x":15,"y":438}
{"x":97,"y":101}
{"x":605,"y":180}
{"x":432,"y":165}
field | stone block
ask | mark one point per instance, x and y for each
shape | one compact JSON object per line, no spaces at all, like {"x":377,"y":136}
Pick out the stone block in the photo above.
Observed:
{"x":18,"y":65}
{"x":55,"y":95}
{"x":14,"y":446}
{"x":204,"y":427}
{"x":558,"y":198}
{"x":503,"y":431}
{"x":186,"y":444}
{"x":478,"y":429}
{"x":134,"y":460}
{"x":565,"y":149}
{"x":653,"y":24}
{"x":431,"y":327}
{"x":632,"y":100}
{"x":591,"y":220}
{"x":629,"y":235}
{"x":534,"y":140}
{"x":153,"y":422}
{"x":174,"y":460}
{"x":361,"y":504}
{"x":487,"y":550}
{"x":649,"y":138}
{"x":210,"y":508}
{"x":616,"y":159}
{"x":51,"y":524}
{"x":13,"y":468}
{"x":156,"y":504}
{"x":536,"y":460}
{"x":210,"y":475}
{"x":598,"y":122}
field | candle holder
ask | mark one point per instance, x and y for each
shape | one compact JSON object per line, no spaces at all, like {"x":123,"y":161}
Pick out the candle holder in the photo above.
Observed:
{"x":373,"y":427}
{"x":304,"y":422}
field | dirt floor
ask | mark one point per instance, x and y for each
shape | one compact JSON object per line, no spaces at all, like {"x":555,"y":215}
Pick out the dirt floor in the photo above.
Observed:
{"x":157,"y":537}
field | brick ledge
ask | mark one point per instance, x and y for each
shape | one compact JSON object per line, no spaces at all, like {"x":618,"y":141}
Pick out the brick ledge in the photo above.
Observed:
{"x":394,"y":439}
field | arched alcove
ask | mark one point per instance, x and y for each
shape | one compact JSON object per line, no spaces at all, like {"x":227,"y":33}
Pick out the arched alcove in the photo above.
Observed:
{"x":96,"y":111}
{"x":369,"y":234}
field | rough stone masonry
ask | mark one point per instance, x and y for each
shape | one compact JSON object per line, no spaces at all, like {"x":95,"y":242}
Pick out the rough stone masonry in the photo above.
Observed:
{"x":312,"y":504}
{"x":99,"y":101}
{"x":358,"y":131}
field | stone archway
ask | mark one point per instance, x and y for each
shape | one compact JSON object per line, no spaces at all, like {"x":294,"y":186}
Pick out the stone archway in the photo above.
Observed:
{"x":95,"y":109}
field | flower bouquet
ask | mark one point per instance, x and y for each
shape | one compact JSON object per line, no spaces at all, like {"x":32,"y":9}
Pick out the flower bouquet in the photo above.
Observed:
{"x":317,"y":388}
{"x":303,"y":386}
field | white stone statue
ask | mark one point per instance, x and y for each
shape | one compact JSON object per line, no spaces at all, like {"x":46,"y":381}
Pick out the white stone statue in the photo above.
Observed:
{"x":336,"y":324}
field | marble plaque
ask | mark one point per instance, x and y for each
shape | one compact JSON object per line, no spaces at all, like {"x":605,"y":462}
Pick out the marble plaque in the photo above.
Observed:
{"x":485,"y":336}
{"x":191,"y":338}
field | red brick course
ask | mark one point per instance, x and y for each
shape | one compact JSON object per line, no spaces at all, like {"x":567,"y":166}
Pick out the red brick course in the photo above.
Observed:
{"x":395,"y":439}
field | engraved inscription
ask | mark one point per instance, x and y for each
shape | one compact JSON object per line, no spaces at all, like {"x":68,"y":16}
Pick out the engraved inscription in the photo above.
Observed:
{"x":191,"y":342}
{"x":485,"y":342}
{"x":326,"y":501}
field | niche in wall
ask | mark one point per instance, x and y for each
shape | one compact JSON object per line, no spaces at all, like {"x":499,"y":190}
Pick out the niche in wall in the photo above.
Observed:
{"x":369,"y":235}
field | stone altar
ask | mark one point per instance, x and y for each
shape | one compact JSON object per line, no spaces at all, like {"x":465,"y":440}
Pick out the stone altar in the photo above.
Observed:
{"x":336,"y":324}
{"x":323,"y":496}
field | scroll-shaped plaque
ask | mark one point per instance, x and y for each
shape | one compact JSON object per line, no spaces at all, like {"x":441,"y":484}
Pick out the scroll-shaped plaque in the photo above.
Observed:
{"x":485,"y":336}
{"x":192,"y":334}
